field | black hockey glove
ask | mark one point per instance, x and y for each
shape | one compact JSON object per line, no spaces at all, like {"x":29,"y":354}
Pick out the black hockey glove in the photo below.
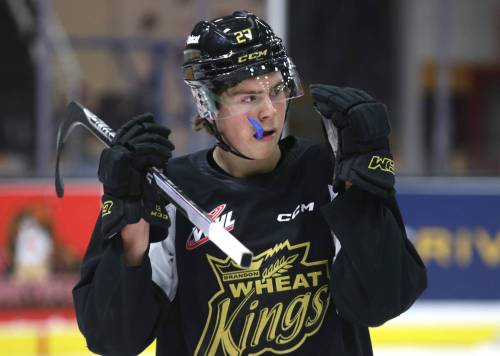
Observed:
{"x":139,"y":144}
{"x":116,"y":213}
{"x":128,"y":194}
{"x":357,"y":127}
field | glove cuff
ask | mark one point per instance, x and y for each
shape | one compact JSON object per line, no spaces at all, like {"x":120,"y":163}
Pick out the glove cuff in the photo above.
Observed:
{"x":373,"y":172}
{"x":157,"y":233}
{"x":154,"y":208}
{"x":116,"y":213}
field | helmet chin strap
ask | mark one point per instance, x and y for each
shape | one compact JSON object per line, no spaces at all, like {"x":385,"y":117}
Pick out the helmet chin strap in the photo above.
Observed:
{"x":226,"y":146}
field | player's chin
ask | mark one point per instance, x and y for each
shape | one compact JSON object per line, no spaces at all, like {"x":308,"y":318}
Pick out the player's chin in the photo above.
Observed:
{"x":264,"y":151}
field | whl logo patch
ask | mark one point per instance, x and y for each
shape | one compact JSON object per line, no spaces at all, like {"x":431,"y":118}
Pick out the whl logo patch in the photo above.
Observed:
{"x":198,"y":238}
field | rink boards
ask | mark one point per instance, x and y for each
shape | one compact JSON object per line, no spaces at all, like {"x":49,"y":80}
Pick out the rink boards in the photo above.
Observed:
{"x":439,"y":328}
{"x":454,"y":224}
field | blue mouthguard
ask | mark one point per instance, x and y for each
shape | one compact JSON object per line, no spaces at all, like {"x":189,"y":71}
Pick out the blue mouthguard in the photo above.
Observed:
{"x":259,"y":131}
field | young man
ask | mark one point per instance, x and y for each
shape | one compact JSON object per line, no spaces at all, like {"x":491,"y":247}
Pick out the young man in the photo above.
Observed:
{"x":331,"y":253}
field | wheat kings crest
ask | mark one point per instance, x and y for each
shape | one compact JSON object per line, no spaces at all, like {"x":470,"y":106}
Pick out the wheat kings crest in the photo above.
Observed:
{"x":272,"y":307}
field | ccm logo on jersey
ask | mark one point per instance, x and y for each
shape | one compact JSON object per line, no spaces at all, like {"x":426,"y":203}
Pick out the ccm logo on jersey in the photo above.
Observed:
{"x":198,"y":238}
{"x":299,"y":209}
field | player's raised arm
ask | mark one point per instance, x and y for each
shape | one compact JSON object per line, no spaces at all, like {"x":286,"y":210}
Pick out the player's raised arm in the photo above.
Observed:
{"x":117,"y":304}
{"x":377,"y":274}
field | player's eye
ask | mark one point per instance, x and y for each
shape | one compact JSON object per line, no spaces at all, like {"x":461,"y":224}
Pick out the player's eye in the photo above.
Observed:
{"x":277,"y":90}
{"x":249,"y":99}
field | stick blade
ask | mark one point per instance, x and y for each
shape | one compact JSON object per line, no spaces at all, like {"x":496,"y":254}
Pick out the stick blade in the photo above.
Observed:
{"x":73,"y":114}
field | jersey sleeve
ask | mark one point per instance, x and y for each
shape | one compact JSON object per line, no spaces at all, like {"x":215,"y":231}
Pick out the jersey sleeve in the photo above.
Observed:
{"x":377,"y":273}
{"x":119,"y":308}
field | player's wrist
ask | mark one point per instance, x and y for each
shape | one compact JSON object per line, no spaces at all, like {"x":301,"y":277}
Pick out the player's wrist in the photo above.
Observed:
{"x":135,"y":241}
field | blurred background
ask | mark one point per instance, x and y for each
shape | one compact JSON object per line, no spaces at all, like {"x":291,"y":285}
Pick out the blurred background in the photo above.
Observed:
{"x":435,"y":63}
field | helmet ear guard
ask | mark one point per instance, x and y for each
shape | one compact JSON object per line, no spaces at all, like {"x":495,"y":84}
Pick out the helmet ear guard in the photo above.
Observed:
{"x":206,"y":107}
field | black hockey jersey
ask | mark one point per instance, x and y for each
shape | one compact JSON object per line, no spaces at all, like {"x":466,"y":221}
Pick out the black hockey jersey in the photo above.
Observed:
{"x":323,"y":271}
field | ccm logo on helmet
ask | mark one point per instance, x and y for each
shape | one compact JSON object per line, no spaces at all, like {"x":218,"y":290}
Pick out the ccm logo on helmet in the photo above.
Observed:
{"x":299,"y":209}
{"x":252,"y":56}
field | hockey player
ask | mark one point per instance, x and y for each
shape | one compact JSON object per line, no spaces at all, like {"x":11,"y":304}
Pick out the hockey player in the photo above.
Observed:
{"x":331,"y":254}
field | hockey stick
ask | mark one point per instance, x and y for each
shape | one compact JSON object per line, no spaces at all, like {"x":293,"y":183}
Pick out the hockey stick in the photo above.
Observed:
{"x":76,"y":114}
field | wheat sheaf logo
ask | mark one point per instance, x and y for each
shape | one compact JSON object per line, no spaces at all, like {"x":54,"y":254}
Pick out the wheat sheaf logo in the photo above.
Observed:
{"x":271,"y":307}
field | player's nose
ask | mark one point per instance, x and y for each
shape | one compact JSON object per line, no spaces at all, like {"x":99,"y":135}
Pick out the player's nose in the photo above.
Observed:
{"x":267,"y":109}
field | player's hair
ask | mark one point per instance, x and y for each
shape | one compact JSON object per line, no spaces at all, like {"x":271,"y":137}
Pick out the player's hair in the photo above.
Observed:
{"x":201,"y":124}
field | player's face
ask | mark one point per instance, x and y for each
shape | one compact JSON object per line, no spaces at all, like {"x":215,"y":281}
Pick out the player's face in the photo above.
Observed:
{"x":262,"y":99}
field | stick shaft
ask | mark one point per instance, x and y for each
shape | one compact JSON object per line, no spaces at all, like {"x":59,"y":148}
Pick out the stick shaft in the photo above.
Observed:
{"x":232,"y":247}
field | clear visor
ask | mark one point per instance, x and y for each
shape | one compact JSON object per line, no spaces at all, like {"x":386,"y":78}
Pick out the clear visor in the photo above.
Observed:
{"x":250,"y":92}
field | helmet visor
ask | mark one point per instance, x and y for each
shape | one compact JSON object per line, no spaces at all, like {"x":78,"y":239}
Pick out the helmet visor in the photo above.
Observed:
{"x":249,"y":90}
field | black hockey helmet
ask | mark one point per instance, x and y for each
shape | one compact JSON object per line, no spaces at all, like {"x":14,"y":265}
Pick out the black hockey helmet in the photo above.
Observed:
{"x":221,"y":53}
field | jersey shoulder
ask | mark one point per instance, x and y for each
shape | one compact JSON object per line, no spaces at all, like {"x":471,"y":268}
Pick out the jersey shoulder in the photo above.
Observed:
{"x":193,"y":173}
{"x":187,"y":165}
{"x":308,"y":152}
